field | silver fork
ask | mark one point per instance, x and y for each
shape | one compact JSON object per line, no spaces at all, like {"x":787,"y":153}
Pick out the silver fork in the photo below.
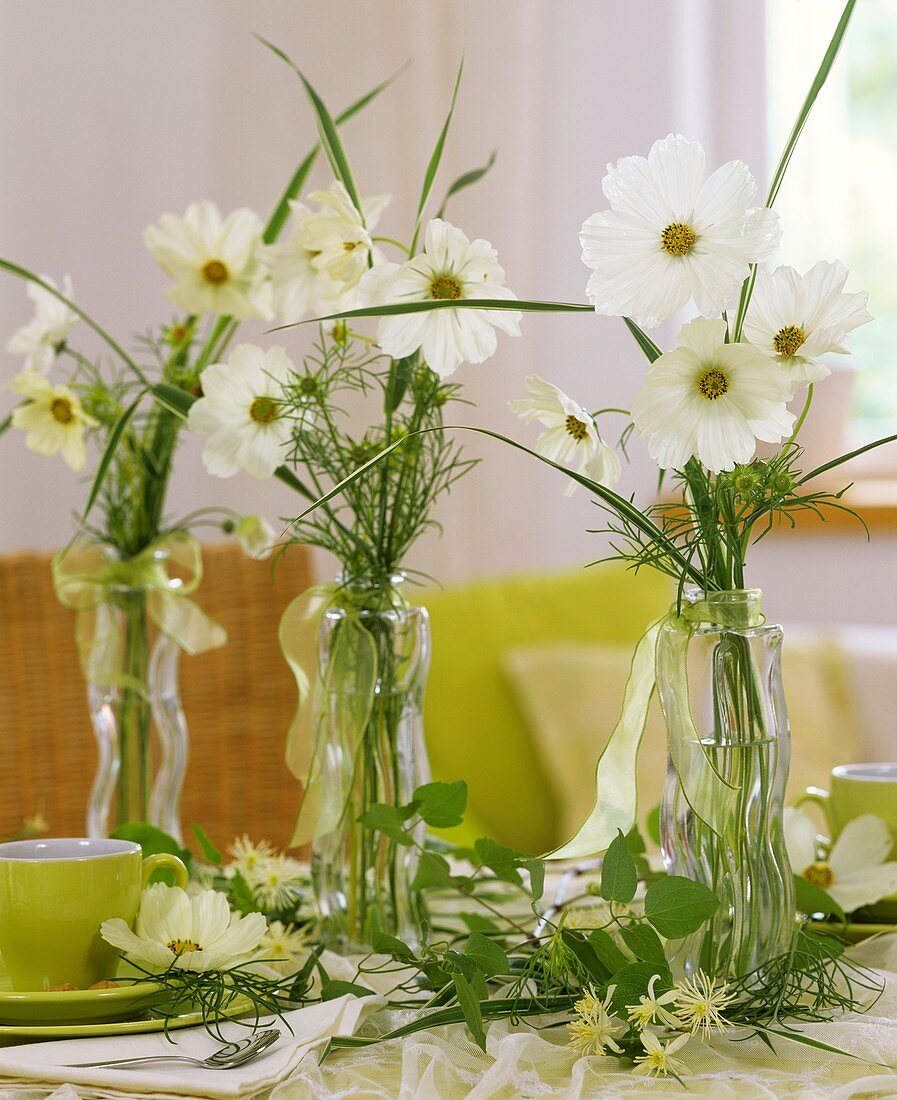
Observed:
{"x":227,"y":1057}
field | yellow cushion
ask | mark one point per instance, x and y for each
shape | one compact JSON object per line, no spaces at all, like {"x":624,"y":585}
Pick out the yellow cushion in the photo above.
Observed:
{"x":474,"y":725}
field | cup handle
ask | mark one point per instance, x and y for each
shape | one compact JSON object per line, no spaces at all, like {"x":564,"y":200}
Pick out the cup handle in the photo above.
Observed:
{"x":823,"y":800}
{"x":170,"y":863}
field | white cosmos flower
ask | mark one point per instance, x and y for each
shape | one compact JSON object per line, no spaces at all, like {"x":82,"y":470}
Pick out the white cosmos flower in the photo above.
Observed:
{"x":255,"y":537}
{"x":53,"y":417}
{"x":658,"y":1060}
{"x":316,"y":269}
{"x":572,"y":435}
{"x":196,"y":933}
{"x":855,"y":872}
{"x":669,"y":237}
{"x":710,"y":399}
{"x":798,"y":318}
{"x":215,"y":263}
{"x":450,"y":267}
{"x":48,"y":329}
{"x":240,"y":412}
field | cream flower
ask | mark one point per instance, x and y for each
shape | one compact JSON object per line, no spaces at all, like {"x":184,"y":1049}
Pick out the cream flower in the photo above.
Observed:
{"x":53,"y":418}
{"x":658,"y":1060}
{"x":247,"y":855}
{"x":798,"y":318}
{"x":855,"y":872}
{"x":595,"y":1031}
{"x":285,"y":947}
{"x":276,"y":882}
{"x":215,"y":264}
{"x":255,"y":537}
{"x":316,"y":269}
{"x":701,"y":1002}
{"x":451,"y":267}
{"x":712,"y":400}
{"x":572,"y":435}
{"x":240,"y":412}
{"x":40,"y":340}
{"x":652,"y":1009}
{"x":668,"y":237}
{"x":198,"y":933}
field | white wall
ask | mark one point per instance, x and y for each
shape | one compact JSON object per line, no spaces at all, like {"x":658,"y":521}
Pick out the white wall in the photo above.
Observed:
{"x":111,"y":113}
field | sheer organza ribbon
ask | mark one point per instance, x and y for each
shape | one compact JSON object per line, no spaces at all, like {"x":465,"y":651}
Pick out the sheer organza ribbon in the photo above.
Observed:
{"x":347,"y":680}
{"x":661,"y":654}
{"x":88,"y":577}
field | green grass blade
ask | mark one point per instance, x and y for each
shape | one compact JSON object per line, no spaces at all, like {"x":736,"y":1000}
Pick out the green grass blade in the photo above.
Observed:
{"x":175,"y":400}
{"x":108,"y":455}
{"x":468,"y":179}
{"x":841,"y":459}
{"x":31,"y":277}
{"x":433,"y":165}
{"x":6,"y":423}
{"x":327,"y":131}
{"x":651,"y":351}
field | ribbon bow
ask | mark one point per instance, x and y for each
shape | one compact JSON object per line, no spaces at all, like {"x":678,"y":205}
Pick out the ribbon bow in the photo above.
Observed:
{"x":87,"y":579}
{"x":661,"y":660}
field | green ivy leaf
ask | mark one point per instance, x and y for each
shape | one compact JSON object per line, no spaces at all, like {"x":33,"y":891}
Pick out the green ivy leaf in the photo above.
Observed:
{"x":389,"y":820}
{"x":336,"y":988}
{"x":606,"y":950}
{"x":208,"y":849}
{"x":389,"y":945}
{"x":644,"y":943}
{"x":442,"y":805}
{"x":475,"y":922}
{"x":587,"y":956}
{"x":635,"y":842}
{"x":632,"y":983}
{"x":677,"y":906}
{"x":811,"y":899}
{"x":652,"y":824}
{"x":470,"y":1006}
{"x":487,"y":955}
{"x":618,"y":874}
{"x":433,"y":870}
{"x":152,"y":841}
{"x":536,"y":870}
{"x":241,"y":896}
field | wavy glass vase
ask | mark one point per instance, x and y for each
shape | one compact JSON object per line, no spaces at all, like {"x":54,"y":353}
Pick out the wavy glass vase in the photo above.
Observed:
{"x":373,"y":659}
{"x":733,"y":704}
{"x":138,"y":704}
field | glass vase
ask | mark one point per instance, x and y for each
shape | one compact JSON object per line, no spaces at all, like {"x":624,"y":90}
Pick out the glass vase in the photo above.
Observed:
{"x":720,"y":685}
{"x":133,"y":703}
{"x":373,"y":659}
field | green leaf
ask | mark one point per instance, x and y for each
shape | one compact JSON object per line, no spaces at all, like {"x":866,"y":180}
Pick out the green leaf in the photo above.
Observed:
{"x":327,"y":131}
{"x":153,"y":841}
{"x":618,"y":875}
{"x":466,"y":180}
{"x":442,"y":805}
{"x":476,"y":922}
{"x":503,"y":862}
{"x":487,"y":955}
{"x":607,"y":951}
{"x":644,"y":943}
{"x":174,"y":399}
{"x":635,"y":842}
{"x":389,"y":820}
{"x":841,"y":459}
{"x":108,"y":455}
{"x":433,"y":165}
{"x":677,"y":906}
{"x":6,"y":423}
{"x":389,"y":945}
{"x":811,"y":899}
{"x":399,"y":377}
{"x":470,"y":1006}
{"x":241,"y":896}
{"x":336,"y":988}
{"x":652,"y":824}
{"x":632,"y":983}
{"x":587,"y":956}
{"x":394,"y":308}
{"x":536,"y":870}
{"x":650,"y":350}
{"x":209,"y":851}
{"x":432,"y":871}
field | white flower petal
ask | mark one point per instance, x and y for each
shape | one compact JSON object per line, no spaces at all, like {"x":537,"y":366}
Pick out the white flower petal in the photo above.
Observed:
{"x":863,"y":842}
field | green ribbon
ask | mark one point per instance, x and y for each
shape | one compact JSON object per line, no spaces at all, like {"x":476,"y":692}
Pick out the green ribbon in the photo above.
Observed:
{"x":661,"y":657}
{"x":87,"y":579}
{"x":346,"y":680}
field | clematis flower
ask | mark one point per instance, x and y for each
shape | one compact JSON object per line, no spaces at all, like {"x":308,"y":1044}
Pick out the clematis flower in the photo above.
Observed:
{"x":669,"y":237}
{"x":652,"y":1009}
{"x":40,"y":340}
{"x":215,"y":263}
{"x":798,"y":318}
{"x":197,"y":933}
{"x":248,"y":855}
{"x":855,"y":872}
{"x":285,"y":947}
{"x":658,"y":1060}
{"x":701,"y":1002}
{"x":710,"y":399}
{"x":451,"y":267}
{"x":317,"y":268}
{"x":241,"y":414}
{"x":595,"y":1031}
{"x":572,"y":435}
{"x":276,"y":881}
{"x":53,"y":417}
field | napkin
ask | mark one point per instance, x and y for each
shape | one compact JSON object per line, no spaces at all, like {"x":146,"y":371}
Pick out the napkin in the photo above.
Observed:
{"x":51,"y":1063}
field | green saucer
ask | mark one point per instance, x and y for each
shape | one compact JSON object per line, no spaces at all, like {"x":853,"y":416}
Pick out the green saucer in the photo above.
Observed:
{"x":82,"y":1006}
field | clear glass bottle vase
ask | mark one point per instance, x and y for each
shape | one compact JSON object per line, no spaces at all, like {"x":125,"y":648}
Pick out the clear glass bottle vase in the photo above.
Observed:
{"x":373,"y":659}
{"x":722,"y":686}
{"x":137,"y":703}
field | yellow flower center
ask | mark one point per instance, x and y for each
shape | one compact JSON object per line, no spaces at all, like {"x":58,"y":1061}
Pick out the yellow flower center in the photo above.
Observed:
{"x":788,"y":339}
{"x":445,"y":286}
{"x":576,"y":428}
{"x":713,"y":383}
{"x":61,"y":410}
{"x":820,"y":874}
{"x":677,"y":239}
{"x":181,"y":947}
{"x":215,"y":272}
{"x":263,"y":410}
{"x":350,"y":246}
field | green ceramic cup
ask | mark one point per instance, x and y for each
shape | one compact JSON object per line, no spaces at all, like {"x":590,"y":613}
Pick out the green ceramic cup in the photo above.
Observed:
{"x":857,"y":789}
{"x":55,"y":894}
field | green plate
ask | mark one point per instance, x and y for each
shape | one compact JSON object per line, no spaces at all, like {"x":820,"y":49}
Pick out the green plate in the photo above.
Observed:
{"x":81,"y":1006}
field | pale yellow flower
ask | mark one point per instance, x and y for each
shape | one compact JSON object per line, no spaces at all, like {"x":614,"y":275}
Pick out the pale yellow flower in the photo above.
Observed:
{"x":652,"y":1010}
{"x":595,"y":1031}
{"x":701,"y":1002}
{"x":248,"y":855}
{"x":658,"y":1060}
{"x":276,"y":881}
{"x":53,"y":417}
{"x":285,"y":947}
